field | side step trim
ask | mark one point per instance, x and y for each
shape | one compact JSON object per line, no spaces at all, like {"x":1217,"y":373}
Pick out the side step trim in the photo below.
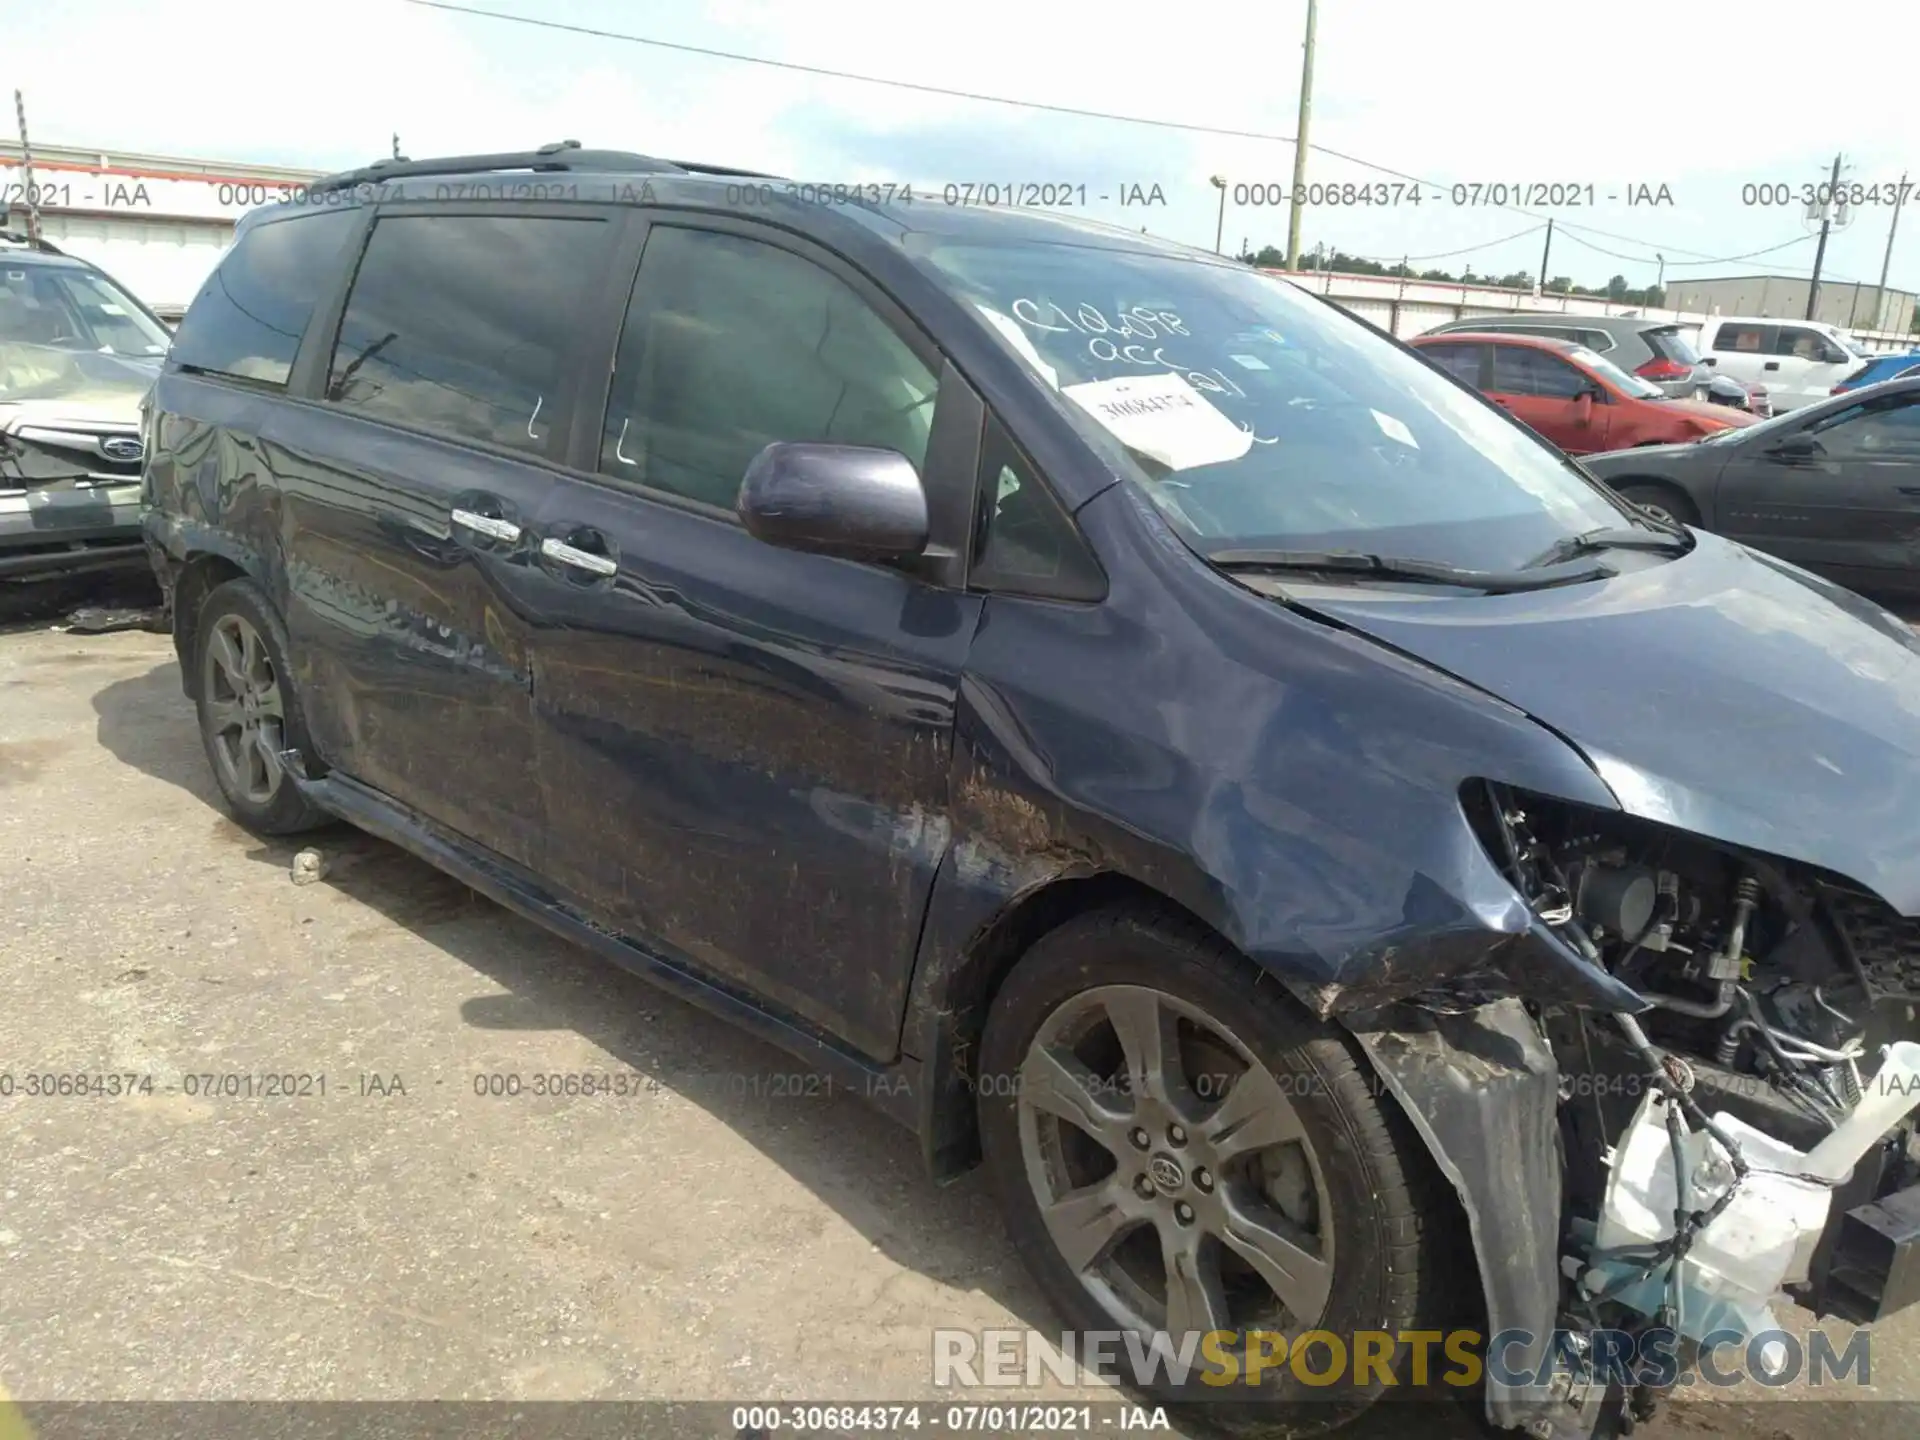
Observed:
{"x":889,"y":1087}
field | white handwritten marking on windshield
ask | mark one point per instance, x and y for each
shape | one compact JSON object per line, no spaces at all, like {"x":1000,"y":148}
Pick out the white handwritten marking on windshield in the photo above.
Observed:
{"x":1135,"y":323}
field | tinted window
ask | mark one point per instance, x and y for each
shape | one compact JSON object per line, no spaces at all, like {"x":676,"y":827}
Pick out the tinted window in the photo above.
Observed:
{"x":248,"y":318}
{"x":1026,"y":541}
{"x":1875,"y":430}
{"x":464,"y":323}
{"x":1736,"y":336}
{"x":1518,"y":370}
{"x":731,"y":344}
{"x":1460,"y":361}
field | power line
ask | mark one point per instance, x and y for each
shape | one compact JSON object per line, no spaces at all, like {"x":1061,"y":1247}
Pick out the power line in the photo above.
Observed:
{"x":1464,"y":250}
{"x":956,"y":93}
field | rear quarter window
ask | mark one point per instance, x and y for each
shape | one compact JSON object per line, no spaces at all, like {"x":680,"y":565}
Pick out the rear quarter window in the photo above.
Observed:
{"x":248,"y":318}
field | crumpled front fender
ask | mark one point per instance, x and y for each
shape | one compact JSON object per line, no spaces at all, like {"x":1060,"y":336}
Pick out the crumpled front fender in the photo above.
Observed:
{"x":1482,"y":1089}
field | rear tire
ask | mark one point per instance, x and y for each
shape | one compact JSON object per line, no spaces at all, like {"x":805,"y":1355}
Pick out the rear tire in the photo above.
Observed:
{"x":1285,"y":1192}
{"x":249,"y":710}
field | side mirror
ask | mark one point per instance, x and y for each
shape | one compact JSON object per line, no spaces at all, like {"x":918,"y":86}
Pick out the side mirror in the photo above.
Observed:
{"x":1708,"y":360}
{"x":1797,"y":447}
{"x":845,"y":500}
{"x":1583,"y":407}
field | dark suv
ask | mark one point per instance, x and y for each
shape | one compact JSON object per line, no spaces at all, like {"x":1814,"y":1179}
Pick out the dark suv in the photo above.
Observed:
{"x":1137,"y":724}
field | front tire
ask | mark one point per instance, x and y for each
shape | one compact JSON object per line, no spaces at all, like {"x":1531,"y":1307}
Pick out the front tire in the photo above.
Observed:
{"x":249,"y":711}
{"x":1662,"y":502}
{"x":1275,"y":1190}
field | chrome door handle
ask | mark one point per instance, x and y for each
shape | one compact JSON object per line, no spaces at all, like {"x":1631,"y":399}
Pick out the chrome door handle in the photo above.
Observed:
{"x":578,"y":559}
{"x":488,"y":525}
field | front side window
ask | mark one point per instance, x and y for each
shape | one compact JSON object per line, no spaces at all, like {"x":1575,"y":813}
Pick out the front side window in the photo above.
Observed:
{"x":465,"y":324}
{"x":1257,"y":418}
{"x":731,"y":344}
{"x":1460,"y":361}
{"x":1804,"y":344}
{"x":248,"y":318}
{"x":1873,"y":430}
{"x":1024,"y":540}
{"x":1522,"y":370}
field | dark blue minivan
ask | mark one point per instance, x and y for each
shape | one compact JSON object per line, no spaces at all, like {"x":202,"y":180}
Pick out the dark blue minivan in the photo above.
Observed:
{"x":1153,"y":732}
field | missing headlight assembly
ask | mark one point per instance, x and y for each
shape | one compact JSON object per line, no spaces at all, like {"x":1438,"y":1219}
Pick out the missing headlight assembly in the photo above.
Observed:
{"x":1734,"y":1138}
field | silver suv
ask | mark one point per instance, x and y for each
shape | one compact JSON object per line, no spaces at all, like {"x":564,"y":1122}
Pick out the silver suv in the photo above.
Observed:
{"x":77,"y":356}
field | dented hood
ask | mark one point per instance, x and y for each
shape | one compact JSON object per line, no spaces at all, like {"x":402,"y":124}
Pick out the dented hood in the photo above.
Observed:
{"x":1723,"y":692}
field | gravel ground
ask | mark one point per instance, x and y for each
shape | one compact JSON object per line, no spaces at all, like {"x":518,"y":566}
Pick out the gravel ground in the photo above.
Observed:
{"x":401,"y":1237}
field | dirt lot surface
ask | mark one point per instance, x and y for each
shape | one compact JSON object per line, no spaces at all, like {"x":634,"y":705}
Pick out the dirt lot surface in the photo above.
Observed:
{"x":400,"y":1236}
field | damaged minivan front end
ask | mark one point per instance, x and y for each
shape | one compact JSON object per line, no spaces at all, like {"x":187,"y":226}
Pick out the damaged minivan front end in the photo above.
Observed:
{"x":1767,"y":1060}
{"x":1718,"y":1112}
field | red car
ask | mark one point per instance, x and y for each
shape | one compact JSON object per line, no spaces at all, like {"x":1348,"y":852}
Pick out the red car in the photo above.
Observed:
{"x":1573,"y":397}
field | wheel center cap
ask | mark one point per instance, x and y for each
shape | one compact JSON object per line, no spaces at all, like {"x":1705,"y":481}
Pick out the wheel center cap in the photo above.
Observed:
{"x":1166,"y":1172}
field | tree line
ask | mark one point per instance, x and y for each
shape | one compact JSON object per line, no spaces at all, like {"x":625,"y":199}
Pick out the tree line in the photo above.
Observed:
{"x":1617,"y":289}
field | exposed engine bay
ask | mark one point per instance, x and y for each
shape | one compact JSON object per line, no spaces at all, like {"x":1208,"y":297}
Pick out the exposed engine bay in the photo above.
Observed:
{"x":1734,"y":1140}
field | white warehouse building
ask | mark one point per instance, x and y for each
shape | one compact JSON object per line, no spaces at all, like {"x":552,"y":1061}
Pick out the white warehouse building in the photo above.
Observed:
{"x":156,"y":223}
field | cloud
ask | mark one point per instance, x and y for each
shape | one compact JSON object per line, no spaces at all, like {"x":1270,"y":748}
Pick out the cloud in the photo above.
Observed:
{"x":1496,"y":91}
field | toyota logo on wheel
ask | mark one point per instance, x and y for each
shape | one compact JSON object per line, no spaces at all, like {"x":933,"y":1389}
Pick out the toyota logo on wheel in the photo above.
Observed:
{"x":119,"y":447}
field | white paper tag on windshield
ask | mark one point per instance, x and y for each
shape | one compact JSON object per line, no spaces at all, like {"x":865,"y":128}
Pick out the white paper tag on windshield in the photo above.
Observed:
{"x":1165,"y":417}
{"x":1016,"y":337}
{"x":1394,"y":429}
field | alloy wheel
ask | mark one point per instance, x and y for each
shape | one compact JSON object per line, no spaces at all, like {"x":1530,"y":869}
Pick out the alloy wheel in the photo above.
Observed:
{"x":1171,"y":1168}
{"x":245,"y":710}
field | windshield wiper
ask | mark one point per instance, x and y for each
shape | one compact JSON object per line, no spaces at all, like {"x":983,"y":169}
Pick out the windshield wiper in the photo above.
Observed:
{"x":1609,"y":538}
{"x":1389,"y":567}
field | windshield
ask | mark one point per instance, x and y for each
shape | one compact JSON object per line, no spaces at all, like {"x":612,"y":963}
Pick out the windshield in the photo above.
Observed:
{"x":72,"y":309}
{"x":1631,"y":385}
{"x":1257,"y":417}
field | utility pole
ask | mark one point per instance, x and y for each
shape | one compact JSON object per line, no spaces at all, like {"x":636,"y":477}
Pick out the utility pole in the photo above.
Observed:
{"x":26,"y":171}
{"x":1880,"y":301}
{"x":1300,"y":143}
{"x":1826,"y":225}
{"x":1540,"y":285}
{"x":1219,"y":182}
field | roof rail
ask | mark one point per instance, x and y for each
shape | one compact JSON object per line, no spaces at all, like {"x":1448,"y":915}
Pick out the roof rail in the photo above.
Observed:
{"x":561,"y":155}
{"x":696,"y":167}
{"x":20,"y":237}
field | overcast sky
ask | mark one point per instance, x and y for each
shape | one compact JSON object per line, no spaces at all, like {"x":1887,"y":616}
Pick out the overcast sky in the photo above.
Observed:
{"x":1701,"y":99}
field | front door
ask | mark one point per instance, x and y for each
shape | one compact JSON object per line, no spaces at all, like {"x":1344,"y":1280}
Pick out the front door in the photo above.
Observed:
{"x":410,"y":490}
{"x":1542,"y":391}
{"x":1811,"y":364}
{"x":745,"y":749}
{"x":1850,"y":504}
